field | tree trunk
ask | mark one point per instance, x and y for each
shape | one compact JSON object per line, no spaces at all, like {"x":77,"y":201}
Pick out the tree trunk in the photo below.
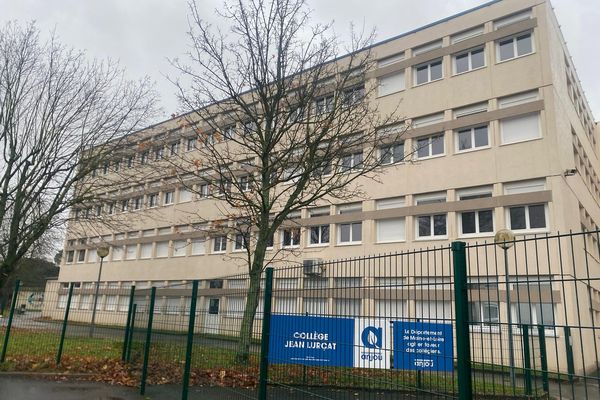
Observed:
{"x":242,"y":355}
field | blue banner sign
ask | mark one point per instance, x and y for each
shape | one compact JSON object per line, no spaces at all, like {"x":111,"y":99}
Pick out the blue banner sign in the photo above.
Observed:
{"x":423,"y":346}
{"x":311,"y":340}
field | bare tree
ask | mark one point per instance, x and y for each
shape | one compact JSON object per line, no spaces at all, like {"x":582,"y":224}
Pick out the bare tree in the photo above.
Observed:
{"x":61,"y":116}
{"x":280,"y":122}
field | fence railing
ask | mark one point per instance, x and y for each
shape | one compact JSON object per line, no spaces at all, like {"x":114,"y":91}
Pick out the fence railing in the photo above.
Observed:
{"x":451,"y":321}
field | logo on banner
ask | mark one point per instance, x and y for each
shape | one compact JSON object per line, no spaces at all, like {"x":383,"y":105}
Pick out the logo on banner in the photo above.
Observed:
{"x":371,"y":337}
{"x":372,"y":343}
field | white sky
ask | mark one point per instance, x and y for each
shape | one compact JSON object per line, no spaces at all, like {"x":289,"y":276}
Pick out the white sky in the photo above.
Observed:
{"x":142,"y":34}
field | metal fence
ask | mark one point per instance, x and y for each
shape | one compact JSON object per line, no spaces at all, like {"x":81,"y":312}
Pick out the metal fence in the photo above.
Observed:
{"x":518,"y":321}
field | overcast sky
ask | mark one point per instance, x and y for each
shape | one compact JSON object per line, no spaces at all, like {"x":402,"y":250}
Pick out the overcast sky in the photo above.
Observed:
{"x":142,"y":34}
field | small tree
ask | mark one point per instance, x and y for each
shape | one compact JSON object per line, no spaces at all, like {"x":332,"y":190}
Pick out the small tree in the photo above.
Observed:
{"x":60,"y":118}
{"x":281,"y":123}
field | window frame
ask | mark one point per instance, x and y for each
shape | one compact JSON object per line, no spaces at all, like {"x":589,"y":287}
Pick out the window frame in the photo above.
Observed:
{"x":221,"y":240}
{"x":432,"y":235}
{"x":169,"y":198}
{"x":528,"y":228}
{"x":477,"y":232}
{"x":469,"y":53}
{"x":320,"y":242}
{"x":391,"y":148}
{"x":472,"y":136}
{"x":430,"y":146}
{"x":539,"y":128}
{"x":514,"y":38}
{"x":294,"y":233}
{"x":428,"y":64}
{"x":351,"y":235}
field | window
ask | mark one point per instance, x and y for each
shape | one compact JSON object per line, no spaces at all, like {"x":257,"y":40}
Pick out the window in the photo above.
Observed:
{"x":180,"y":248}
{"x":169,"y":198}
{"x":391,"y":154}
{"x":324,"y":104}
{"x":352,"y":161}
{"x":474,"y":222}
{"x":229,"y":132}
{"x":430,"y":226}
{"x":130,"y":162}
{"x":528,"y":217}
{"x":350,"y":233}
{"x":533,"y":185}
{"x":430,"y":146}
{"x":315,"y":306}
{"x":190,"y":144}
{"x":514,"y":46}
{"x":215,"y":284}
{"x":290,"y":237}
{"x":249,"y":127}
{"x":198,"y":247}
{"x":162,"y":249}
{"x":204,"y":190}
{"x":137,"y":203}
{"x":237,"y":283}
{"x":105,"y":168}
{"x":131,"y":252}
{"x":145,"y":250}
{"x":235,"y":307}
{"x":319,"y":235}
{"x":241,"y":242}
{"x":428,"y":72}
{"x":519,"y":129}
{"x":81,"y":255}
{"x":389,"y":203}
{"x":484,"y":313}
{"x":70,"y":256}
{"x":245,"y":183}
{"x":158,"y":153}
{"x":124,"y":205}
{"x":427,"y":120}
{"x":98,"y":210}
{"x":354,"y":95}
{"x":224,"y":186}
{"x":472,"y":138}
{"x":153,"y":200}
{"x":184,"y":195}
{"x":469,"y":60}
{"x":471,"y":109}
{"x":213,"y":306}
{"x":144,"y":158}
{"x":390,"y":230}
{"x":391,"y":83}
{"x":110,"y":208}
{"x":174,"y":148}
{"x":220,"y":244}
{"x":117,"y":253}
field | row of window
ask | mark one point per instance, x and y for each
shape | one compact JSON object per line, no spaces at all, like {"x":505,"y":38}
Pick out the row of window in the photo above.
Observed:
{"x":529,"y":218}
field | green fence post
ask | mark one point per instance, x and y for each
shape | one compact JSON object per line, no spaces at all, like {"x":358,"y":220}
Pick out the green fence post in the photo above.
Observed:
{"x":461,"y":305}
{"x":128,"y":323}
{"x":64,"y":325}
{"x":543,"y":358}
{"x":526,"y":359}
{"x":131,"y":330}
{"x":264,"y":343}
{"x":190,"y":341}
{"x":13,"y":304}
{"x":148,"y":342}
{"x":569,"y":348}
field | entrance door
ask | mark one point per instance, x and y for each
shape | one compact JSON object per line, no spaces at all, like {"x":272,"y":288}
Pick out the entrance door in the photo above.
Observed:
{"x":211,"y":319}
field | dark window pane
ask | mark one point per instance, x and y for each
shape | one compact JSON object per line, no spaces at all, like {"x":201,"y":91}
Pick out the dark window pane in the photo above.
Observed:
{"x":437,"y":145}
{"x":524,"y":313}
{"x":477,"y":59}
{"x":386,"y":155}
{"x":358,"y":159}
{"x":422,"y":74}
{"x":506,"y":50}
{"x":517,"y":218}
{"x":357,"y":232}
{"x":462,"y":63}
{"x":436,"y":70}
{"x":314,"y":235}
{"x":524,"y":45}
{"x":325,"y":234}
{"x":423,"y":148}
{"x":464,"y":140}
{"x":468,"y":222}
{"x":399,"y":152}
{"x":344,"y":233}
{"x":490,"y":312}
{"x":439,"y":225}
{"x":481,"y":136}
{"x":486,"y":221}
{"x":424,"y":226}
{"x":545,"y":314}
{"x":537,"y":216}
{"x":213,"y":306}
